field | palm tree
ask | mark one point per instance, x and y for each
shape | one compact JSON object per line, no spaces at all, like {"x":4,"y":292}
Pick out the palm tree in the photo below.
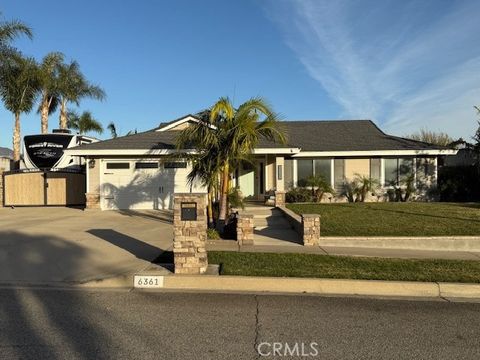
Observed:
{"x":113,"y":130}
{"x":72,"y":87}
{"x":231,"y":134}
{"x":83,"y":123}
{"x":320,"y":186}
{"x":10,"y":30}
{"x":365,"y":185}
{"x":19,"y":86}
{"x":49,"y":76}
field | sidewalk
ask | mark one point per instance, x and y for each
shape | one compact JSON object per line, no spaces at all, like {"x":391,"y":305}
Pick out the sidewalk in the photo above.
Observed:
{"x":229,"y":245}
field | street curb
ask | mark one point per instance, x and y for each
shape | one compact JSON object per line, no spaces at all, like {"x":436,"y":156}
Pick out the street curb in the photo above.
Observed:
{"x":299,"y":286}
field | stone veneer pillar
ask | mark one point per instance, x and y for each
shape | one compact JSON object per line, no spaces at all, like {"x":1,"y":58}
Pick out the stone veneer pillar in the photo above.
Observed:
{"x":1,"y":187}
{"x":245,"y":229}
{"x":189,"y":242}
{"x":279,"y":198}
{"x":311,"y":229}
{"x":92,"y":201}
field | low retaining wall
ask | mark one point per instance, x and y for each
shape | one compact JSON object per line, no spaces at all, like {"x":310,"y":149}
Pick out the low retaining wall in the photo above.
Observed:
{"x":307,"y":226}
{"x":434,"y":243}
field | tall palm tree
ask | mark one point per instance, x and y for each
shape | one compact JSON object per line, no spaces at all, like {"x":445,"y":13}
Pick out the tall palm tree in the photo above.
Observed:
{"x":49,"y":76}
{"x":83,"y":123}
{"x":72,"y":87}
{"x":19,"y":87}
{"x":10,"y":30}
{"x":231,"y":134}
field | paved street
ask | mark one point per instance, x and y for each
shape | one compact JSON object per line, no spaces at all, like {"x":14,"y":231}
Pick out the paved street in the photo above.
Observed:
{"x":81,"y":324}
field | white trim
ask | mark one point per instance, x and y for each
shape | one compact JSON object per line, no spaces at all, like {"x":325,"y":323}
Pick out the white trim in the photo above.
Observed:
{"x":374,"y":153}
{"x":295,"y":175}
{"x":332,"y":170}
{"x":276,"y":151}
{"x":87,"y":175}
{"x":415,"y":172}
{"x":435,"y":173}
{"x":265,"y":174}
{"x":180,"y":122}
{"x":125,"y":152}
{"x":382,"y":172}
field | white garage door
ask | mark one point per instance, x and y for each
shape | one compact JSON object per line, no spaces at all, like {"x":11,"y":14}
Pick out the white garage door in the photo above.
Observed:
{"x":142,"y":184}
{"x":136,"y":185}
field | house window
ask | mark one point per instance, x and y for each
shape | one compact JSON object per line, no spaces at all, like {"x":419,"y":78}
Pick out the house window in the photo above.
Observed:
{"x":118,"y":165}
{"x":175,"y":165}
{"x":146,"y":165}
{"x":397,"y":170}
{"x":375,"y":169}
{"x":339,"y":173}
{"x":425,"y":170}
{"x":307,"y":168}
{"x":288,"y":169}
{"x":304,"y":170}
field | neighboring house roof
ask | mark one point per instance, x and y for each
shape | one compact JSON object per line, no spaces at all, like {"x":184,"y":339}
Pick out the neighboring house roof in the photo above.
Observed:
{"x":303,"y":137}
{"x":6,"y":153}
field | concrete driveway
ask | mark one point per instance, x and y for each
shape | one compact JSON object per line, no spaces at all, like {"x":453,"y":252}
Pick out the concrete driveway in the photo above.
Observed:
{"x":48,"y":245}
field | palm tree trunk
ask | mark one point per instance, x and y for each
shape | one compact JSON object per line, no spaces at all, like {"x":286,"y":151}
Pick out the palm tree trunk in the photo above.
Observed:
{"x":63,"y":114}
{"x":223,"y":198}
{"x":44,"y":114}
{"x":210,"y":208}
{"x":16,"y":142}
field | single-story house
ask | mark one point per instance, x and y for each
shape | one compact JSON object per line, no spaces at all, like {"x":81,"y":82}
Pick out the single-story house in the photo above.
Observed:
{"x":136,"y":171}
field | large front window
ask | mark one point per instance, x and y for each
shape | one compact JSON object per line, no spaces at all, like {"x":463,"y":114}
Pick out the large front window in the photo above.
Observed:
{"x":398,"y":170}
{"x":309,"y":167}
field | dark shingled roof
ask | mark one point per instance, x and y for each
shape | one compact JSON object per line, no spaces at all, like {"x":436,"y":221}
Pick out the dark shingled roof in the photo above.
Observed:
{"x":328,"y":135}
{"x":6,"y":153}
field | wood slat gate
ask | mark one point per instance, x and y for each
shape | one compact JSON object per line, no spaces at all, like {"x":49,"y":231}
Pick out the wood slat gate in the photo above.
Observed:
{"x":43,"y":188}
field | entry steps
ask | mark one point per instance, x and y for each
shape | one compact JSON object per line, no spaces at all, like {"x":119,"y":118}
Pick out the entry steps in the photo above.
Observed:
{"x":271,"y":227}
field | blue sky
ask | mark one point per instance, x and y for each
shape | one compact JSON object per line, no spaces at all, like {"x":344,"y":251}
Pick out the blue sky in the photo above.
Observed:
{"x":404,"y":64}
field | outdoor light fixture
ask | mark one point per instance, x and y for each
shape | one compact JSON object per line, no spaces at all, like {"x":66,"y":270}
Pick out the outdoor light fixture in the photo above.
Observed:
{"x":279,"y":172}
{"x":91,"y":163}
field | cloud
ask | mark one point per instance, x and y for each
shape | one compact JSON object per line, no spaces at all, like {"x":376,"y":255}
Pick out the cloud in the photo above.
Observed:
{"x":405,"y":65}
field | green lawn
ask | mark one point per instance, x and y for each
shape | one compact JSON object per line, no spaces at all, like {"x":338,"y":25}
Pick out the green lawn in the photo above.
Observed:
{"x":395,"y":219}
{"x":339,"y":267}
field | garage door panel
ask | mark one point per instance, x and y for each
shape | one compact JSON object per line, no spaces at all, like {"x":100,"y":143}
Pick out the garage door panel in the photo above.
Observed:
{"x":137,"y":189}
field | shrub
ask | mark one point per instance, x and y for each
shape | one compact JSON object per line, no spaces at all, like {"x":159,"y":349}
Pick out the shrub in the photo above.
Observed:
{"x":319,"y":186}
{"x":298,"y":194}
{"x":213,"y":234}
{"x":459,"y":183}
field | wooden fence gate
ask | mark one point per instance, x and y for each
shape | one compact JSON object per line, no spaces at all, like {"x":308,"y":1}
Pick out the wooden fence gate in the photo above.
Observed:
{"x":42,"y":188}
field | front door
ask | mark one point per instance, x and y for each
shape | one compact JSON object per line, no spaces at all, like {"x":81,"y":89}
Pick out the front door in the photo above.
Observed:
{"x":246,"y":180}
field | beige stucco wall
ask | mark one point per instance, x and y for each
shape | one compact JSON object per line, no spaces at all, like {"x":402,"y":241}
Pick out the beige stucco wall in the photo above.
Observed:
{"x":356,"y":166}
{"x":270,"y":173}
{"x":94,"y":177}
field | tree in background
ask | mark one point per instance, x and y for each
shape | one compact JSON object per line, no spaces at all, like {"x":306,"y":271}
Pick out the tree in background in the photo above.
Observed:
{"x":113,"y":130}
{"x":49,"y":78}
{"x":431,"y":137}
{"x":72,"y":87}
{"x":83,"y":123}
{"x":19,"y":87}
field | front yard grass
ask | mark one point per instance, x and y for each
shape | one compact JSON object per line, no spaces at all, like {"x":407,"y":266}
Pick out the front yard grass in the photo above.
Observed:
{"x":342,"y":267}
{"x":395,"y":219}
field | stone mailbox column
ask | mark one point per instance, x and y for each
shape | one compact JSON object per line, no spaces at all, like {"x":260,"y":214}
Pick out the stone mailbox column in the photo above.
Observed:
{"x":190,"y":233}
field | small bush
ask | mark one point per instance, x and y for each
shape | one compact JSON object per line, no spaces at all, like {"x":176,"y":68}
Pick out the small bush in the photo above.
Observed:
{"x":213,"y":234}
{"x":298,"y":194}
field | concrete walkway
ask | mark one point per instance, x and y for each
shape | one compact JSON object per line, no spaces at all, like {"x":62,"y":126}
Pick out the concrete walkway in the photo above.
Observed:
{"x":48,"y":245}
{"x":271,"y":227}
{"x":228,"y":245}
